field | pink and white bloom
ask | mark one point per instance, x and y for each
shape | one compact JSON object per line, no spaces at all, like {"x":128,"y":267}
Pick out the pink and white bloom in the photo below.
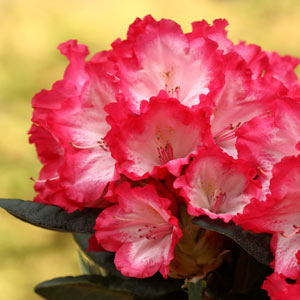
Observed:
{"x":141,"y":230}
{"x":279,"y":215}
{"x":271,"y":65}
{"x":217,"y":185}
{"x":162,"y":136}
{"x":240,"y":99}
{"x":72,"y":113}
{"x":157,"y":56}
{"x":279,"y":289}
{"x":215,"y":32}
{"x":268,"y":138}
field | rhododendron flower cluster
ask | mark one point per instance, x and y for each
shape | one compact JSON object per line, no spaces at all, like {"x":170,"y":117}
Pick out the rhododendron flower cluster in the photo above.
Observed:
{"x":166,"y":125}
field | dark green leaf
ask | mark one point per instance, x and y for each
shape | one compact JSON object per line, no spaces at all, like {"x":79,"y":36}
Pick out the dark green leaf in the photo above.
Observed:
{"x":153,"y":287}
{"x":196,"y":290}
{"x":173,"y":296}
{"x":249,"y":276}
{"x":257,"y":245}
{"x":50,"y":216}
{"x":83,"y":288}
{"x":237,"y":297}
{"x":104,"y":259}
{"x":88,"y":267}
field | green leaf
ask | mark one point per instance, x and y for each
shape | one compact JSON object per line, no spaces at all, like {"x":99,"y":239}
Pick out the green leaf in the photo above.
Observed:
{"x":50,"y":216}
{"x":153,"y":287}
{"x":83,"y":288}
{"x":90,"y":268}
{"x":91,"y":287}
{"x":196,"y":290}
{"x":104,"y":259}
{"x":249,"y":275}
{"x":181,"y":295}
{"x":257,"y":245}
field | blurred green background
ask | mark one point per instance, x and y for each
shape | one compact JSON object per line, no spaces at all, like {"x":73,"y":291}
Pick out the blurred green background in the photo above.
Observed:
{"x":30,"y":31}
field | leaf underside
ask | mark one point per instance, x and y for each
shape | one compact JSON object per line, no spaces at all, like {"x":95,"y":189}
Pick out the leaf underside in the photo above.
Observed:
{"x":152,"y":287}
{"x":257,"y":245}
{"x":50,"y":216}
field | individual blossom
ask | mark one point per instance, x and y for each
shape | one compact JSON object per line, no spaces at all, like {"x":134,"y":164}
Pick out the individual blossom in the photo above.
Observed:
{"x":279,"y":289}
{"x":217,"y":185}
{"x":279,"y":215}
{"x":262,"y":64}
{"x":268,"y":138}
{"x":252,"y":81}
{"x":71,"y":116}
{"x":240,"y":99}
{"x":141,"y":229}
{"x":271,"y":65}
{"x":215,"y":32}
{"x":50,"y":154}
{"x":162,"y":136}
{"x":157,"y":56}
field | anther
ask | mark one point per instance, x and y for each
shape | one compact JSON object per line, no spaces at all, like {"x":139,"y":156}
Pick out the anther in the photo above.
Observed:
{"x":43,"y":180}
{"x":291,"y":234}
{"x":268,"y":174}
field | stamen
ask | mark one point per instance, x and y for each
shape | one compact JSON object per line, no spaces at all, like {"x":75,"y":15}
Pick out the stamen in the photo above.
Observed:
{"x":128,"y":219}
{"x":177,"y":92}
{"x":43,"y":180}
{"x":114,"y":77}
{"x":268,"y":174}
{"x":148,"y":231}
{"x":217,"y":199}
{"x":165,"y":153}
{"x":85,"y":146}
{"x":102,"y":144}
{"x":174,"y":93}
{"x":155,"y":232}
{"x":227,"y":133}
{"x":291,"y":234}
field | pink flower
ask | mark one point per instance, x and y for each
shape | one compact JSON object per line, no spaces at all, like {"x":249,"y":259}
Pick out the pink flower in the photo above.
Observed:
{"x":240,"y":99}
{"x":279,"y":289}
{"x":157,"y":56}
{"x":141,"y":230}
{"x":279,"y":215}
{"x":167,"y":117}
{"x":216,"y":185}
{"x":268,"y":138}
{"x":72,"y":117}
{"x":271,"y":65}
{"x":163,"y":135}
{"x":215,"y":32}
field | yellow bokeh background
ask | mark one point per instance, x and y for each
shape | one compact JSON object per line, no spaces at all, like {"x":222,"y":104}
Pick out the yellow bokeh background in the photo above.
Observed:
{"x":30,"y":31}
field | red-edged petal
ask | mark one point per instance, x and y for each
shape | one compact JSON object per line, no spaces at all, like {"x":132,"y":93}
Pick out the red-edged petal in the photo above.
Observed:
{"x":164,"y":135}
{"x":215,"y":32}
{"x":238,"y":101}
{"x":279,"y":214}
{"x":158,"y":56}
{"x":266,"y":139}
{"x":217,"y":185}
{"x":279,"y":289}
{"x":141,"y":230}
{"x":73,"y":114}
